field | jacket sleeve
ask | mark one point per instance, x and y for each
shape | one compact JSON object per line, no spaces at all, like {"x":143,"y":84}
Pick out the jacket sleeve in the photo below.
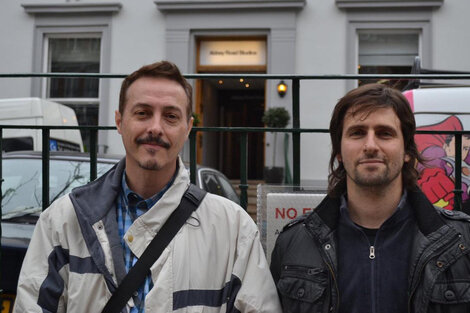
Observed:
{"x":40,"y":285}
{"x":257,"y":292}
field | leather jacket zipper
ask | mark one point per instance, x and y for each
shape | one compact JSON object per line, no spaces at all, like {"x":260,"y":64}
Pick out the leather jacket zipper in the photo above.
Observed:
{"x":330,"y":268}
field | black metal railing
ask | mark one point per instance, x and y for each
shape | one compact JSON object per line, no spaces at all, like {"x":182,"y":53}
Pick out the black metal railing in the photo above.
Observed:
{"x":295,"y":130}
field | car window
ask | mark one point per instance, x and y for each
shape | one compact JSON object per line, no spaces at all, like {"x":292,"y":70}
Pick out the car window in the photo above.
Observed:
{"x":219,"y":185}
{"x":211,"y":184}
{"x":228,"y":189}
{"x":22,"y":185}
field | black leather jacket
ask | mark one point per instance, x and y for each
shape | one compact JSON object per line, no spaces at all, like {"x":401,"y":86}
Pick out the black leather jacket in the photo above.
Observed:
{"x":304,"y":261}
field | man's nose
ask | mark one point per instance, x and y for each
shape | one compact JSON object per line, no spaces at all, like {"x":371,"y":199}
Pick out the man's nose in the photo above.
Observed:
{"x":370,"y":144}
{"x":155,"y":125}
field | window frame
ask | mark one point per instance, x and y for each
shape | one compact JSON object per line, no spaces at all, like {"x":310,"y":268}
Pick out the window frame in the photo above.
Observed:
{"x":63,"y":18}
{"x":45,"y":92}
{"x":412,"y":21}
{"x":75,"y":18}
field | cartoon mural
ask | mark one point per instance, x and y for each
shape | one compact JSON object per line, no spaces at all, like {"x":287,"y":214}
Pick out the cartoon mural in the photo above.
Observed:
{"x":438,"y":172}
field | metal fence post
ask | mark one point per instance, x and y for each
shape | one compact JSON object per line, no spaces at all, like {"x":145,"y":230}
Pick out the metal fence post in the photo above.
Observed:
{"x":46,"y":132}
{"x":192,"y":156}
{"x":296,"y":134}
{"x":458,"y":173}
{"x":243,"y":170}
{"x":93,"y":153}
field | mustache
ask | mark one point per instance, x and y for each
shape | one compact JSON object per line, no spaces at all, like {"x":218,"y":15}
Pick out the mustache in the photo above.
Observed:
{"x":157,"y":140}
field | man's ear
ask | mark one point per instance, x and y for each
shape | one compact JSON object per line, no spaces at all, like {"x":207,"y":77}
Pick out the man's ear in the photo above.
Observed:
{"x":407,"y":157}
{"x":118,"y":120}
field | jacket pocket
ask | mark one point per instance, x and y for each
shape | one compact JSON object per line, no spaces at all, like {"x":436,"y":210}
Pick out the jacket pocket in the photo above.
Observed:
{"x":451,"y":292}
{"x":302,"y":289}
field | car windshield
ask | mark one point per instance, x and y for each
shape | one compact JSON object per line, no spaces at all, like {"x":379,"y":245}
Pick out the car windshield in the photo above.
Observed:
{"x":22,"y":184}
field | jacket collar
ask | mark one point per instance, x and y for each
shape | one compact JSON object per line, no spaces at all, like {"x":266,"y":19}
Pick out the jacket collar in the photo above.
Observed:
{"x":328,"y":212}
{"x":324,"y":219}
{"x":93,"y":200}
{"x":427,"y":217}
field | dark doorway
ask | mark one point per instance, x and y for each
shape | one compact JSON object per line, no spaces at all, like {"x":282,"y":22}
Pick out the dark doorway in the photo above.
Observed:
{"x":224,"y":106}
{"x":242,"y":109}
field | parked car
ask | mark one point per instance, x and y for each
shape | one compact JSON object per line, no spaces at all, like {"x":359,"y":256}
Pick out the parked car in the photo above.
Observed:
{"x":22,"y":199}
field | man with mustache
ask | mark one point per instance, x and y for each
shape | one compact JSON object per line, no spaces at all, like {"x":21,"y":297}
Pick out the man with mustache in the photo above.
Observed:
{"x":85,"y":242}
{"x":375,"y":243}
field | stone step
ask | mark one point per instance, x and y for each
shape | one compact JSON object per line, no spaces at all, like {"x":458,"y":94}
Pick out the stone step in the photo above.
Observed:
{"x":251,"y":192}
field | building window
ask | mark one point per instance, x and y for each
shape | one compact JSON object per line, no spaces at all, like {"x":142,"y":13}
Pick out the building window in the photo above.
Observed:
{"x":385,"y":36}
{"x":74,"y":37}
{"x":73,"y":55}
{"x":387,"y":52}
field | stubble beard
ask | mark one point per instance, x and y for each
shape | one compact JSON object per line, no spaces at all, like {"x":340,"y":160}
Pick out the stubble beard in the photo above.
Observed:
{"x":150,"y":165}
{"x":377,"y":178}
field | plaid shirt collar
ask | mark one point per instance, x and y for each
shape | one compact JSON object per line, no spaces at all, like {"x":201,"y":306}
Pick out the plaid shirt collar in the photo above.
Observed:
{"x":134,"y":200}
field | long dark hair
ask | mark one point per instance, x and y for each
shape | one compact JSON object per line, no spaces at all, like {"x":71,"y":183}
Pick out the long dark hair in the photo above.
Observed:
{"x":366,"y":99}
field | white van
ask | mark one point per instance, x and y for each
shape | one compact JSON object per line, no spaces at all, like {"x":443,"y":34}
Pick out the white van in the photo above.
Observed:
{"x":36,"y":111}
{"x":448,"y":109}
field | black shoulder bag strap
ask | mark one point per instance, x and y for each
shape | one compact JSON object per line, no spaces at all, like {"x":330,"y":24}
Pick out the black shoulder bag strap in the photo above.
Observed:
{"x":136,"y":276}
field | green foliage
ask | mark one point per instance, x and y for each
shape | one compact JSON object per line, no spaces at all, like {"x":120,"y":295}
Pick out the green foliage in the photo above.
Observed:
{"x":196,"y":120}
{"x":277,"y":117}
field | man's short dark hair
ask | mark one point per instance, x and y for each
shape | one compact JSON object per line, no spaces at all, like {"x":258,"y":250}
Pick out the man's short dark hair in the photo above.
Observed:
{"x":365,"y":100}
{"x":162,"y":69}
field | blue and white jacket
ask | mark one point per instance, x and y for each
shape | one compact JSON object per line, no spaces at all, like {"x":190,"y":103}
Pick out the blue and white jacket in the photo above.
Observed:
{"x":75,"y":260}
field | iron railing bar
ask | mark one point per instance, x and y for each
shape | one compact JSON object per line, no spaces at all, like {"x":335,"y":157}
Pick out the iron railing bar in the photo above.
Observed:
{"x":45,"y":167}
{"x":93,"y":154}
{"x":232,"y":129}
{"x":261,"y":129}
{"x":296,"y":135}
{"x":330,"y":77}
{"x":244,"y":170}
{"x":260,"y":76}
{"x":62,"y":75}
{"x":59,"y":127}
{"x":458,"y":173}
{"x":192,"y":156}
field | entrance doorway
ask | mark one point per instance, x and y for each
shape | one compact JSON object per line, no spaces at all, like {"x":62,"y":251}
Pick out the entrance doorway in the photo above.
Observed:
{"x":232,"y":103}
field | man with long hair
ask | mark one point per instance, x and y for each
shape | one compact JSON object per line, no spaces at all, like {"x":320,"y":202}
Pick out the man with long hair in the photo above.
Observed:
{"x":375,"y":244}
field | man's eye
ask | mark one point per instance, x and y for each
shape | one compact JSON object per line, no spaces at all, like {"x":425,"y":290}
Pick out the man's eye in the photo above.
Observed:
{"x":385,"y":134}
{"x":356,"y":133}
{"x":172,"y":117}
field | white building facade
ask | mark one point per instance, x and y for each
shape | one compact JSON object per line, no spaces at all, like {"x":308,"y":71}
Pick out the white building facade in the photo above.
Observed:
{"x":305,"y":37}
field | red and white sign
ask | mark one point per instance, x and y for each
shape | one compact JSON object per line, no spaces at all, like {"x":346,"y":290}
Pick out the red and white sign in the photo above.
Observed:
{"x":282,"y":208}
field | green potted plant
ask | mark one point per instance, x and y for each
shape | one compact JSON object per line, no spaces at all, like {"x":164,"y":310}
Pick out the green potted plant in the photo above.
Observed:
{"x":275,"y":117}
{"x":196,"y":119}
